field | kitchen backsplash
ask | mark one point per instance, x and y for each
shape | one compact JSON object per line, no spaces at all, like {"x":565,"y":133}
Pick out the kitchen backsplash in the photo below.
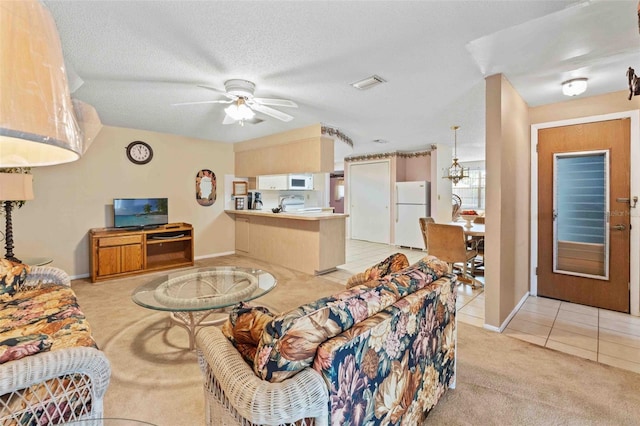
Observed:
{"x":271,"y":199}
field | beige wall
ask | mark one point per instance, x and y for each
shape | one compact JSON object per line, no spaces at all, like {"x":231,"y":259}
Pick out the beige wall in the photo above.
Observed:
{"x":417,"y":168}
{"x":507,"y":224}
{"x":441,"y":189}
{"x":72,"y":198}
{"x":584,"y":107}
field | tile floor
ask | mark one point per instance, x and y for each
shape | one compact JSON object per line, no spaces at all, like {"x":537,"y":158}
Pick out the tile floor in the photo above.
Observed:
{"x":596,"y":334}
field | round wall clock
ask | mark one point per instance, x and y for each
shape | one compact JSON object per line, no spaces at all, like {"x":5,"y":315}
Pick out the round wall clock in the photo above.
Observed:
{"x":139,"y":152}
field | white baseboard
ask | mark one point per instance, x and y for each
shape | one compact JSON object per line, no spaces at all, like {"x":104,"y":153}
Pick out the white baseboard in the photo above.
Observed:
{"x":209,"y":256}
{"x":77,"y":277}
{"x":206,"y":256}
{"x":514,"y":312}
{"x":509,"y":318}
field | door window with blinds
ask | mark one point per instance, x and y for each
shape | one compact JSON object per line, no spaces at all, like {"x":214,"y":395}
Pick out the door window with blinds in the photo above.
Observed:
{"x":580,"y":214}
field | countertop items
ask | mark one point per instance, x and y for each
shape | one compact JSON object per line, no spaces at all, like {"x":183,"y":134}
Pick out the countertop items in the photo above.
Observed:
{"x":299,"y":215}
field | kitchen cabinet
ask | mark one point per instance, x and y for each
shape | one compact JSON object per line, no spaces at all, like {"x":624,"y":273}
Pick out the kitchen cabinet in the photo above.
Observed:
{"x":313,"y":243}
{"x":295,"y":151}
{"x":275,"y":182}
{"x":242,"y":234}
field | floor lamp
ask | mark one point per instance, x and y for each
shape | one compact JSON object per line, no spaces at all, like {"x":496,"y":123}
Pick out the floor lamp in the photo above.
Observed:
{"x":13,"y":187}
{"x":38,"y":124}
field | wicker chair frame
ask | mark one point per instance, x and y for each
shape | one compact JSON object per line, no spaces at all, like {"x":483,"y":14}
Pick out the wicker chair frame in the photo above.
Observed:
{"x":45,"y":275}
{"x":40,"y":384}
{"x":234,"y":392}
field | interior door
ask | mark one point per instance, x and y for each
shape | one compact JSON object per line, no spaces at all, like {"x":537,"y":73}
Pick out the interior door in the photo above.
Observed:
{"x":369,"y":200}
{"x":583,"y":213}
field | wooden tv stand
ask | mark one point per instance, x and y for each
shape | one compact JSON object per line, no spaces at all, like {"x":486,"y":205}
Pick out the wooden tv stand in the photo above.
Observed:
{"x":118,"y":253}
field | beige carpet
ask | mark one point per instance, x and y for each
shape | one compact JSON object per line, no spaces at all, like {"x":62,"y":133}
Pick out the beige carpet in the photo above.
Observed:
{"x":501,"y":381}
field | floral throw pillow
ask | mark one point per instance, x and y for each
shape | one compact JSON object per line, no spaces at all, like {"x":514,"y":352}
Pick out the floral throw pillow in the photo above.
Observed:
{"x":393,"y":263}
{"x":244,"y":328}
{"x":289,"y":342}
{"x":12,"y":275}
{"x":433,"y":265}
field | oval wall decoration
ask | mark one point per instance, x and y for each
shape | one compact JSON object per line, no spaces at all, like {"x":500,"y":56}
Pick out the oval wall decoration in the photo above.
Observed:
{"x":206,"y":187}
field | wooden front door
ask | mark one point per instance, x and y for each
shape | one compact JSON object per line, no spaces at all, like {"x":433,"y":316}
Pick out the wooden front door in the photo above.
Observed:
{"x":583,"y":213}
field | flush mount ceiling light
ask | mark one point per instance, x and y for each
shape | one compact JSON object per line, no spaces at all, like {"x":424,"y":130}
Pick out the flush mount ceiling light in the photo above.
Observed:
{"x":368,"y":82}
{"x":574,"y":87}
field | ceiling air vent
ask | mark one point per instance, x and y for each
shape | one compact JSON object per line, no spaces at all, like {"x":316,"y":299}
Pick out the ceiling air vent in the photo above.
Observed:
{"x":368,"y":82}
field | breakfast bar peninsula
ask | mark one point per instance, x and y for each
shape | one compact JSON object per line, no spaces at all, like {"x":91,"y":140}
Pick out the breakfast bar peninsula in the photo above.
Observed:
{"x":310,"y":242}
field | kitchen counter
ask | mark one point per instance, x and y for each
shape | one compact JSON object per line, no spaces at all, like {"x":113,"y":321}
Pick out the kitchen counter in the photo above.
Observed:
{"x":308,"y":215}
{"x":310,"y":242}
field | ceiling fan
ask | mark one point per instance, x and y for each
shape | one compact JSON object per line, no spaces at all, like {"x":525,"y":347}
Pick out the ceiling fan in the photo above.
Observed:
{"x":243,"y":104}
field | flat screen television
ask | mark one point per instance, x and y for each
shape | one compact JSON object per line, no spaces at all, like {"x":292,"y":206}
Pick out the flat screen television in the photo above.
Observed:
{"x":140,"y":212}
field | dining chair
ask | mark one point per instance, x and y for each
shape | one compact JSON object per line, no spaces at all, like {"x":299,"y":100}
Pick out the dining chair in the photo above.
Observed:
{"x":478,"y":264}
{"x":448,"y":243}
{"x":423,"y":227}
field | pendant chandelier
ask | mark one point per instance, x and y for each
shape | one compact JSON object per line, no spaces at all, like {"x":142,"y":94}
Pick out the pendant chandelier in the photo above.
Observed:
{"x":455,"y":173}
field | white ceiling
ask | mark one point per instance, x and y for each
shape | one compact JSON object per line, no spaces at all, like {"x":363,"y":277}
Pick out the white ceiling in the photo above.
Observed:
{"x":136,"y":58}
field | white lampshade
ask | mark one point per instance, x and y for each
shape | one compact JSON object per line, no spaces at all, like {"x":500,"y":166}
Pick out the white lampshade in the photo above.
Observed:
{"x":89,"y":121}
{"x":239,"y":111}
{"x":16,"y":187}
{"x":574,"y":87}
{"x":38,"y":126}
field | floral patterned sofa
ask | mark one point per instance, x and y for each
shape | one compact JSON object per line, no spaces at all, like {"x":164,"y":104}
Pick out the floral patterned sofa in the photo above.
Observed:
{"x":51,"y":371}
{"x":381,"y":352}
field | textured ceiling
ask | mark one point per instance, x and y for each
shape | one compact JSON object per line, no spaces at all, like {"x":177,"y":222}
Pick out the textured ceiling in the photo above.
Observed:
{"x":135,"y":59}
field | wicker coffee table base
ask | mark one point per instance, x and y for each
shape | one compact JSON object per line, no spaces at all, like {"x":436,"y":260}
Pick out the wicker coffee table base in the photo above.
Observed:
{"x":191,"y":320}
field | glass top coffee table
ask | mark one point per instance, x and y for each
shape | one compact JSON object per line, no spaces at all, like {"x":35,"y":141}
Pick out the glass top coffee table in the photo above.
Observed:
{"x":198,"y":294}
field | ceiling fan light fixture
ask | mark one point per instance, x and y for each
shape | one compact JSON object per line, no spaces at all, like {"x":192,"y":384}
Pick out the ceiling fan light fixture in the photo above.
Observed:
{"x":368,"y":82}
{"x":239,"y":111}
{"x":574,"y":87}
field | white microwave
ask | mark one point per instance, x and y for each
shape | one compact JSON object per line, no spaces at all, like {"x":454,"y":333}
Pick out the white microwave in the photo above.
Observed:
{"x":300,"y":182}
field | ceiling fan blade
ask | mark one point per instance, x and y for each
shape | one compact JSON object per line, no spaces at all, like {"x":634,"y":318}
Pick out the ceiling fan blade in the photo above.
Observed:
{"x":203,"y":102}
{"x":276,"y":102}
{"x":272,"y":112}
{"x":228,"y":120}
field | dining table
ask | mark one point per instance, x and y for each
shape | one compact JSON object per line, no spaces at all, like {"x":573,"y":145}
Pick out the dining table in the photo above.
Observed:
{"x":476,"y":230}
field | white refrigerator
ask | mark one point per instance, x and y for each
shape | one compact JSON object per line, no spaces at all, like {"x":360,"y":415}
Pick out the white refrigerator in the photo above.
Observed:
{"x":412,"y":203}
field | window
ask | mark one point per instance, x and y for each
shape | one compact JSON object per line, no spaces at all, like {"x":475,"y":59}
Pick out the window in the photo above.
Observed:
{"x":472,"y":190}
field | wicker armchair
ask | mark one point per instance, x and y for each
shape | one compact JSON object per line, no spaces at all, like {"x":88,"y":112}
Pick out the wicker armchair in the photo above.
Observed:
{"x":46,"y":275}
{"x":235,"y":395}
{"x":57,"y":386}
